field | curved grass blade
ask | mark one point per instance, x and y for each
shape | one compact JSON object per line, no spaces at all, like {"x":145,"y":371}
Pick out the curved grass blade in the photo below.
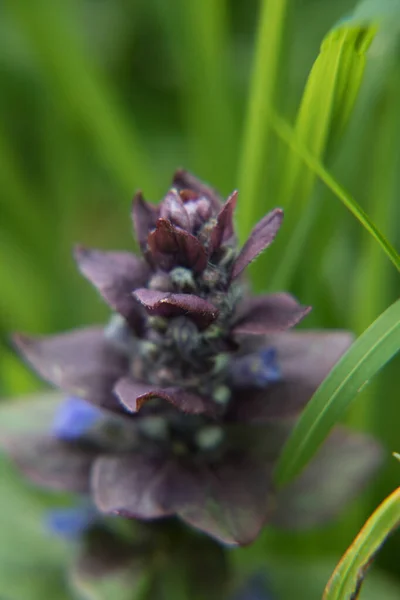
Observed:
{"x":346,"y":580}
{"x":369,"y":353}
{"x":286,"y":133}
{"x":328,"y":100}
{"x":327,"y":104}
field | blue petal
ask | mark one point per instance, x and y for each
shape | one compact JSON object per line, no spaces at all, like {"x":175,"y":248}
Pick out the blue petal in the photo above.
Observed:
{"x":70,"y":523}
{"x":256,"y":370}
{"x":255,"y":589}
{"x":74,"y":417}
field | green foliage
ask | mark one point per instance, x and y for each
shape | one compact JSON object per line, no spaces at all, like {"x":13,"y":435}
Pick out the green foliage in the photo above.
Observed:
{"x":378,"y":344}
{"x":82,"y":93}
{"x":32,"y":562}
{"x":99,"y":98}
{"x":348,"y":576}
{"x":310,"y":577}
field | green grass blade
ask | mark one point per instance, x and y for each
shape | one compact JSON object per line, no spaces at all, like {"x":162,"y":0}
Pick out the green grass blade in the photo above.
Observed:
{"x":257,"y":130}
{"x":83,"y":91}
{"x":370,"y":352}
{"x":328,"y":100}
{"x":348,"y":576}
{"x":327,"y":104}
{"x":286,"y":133}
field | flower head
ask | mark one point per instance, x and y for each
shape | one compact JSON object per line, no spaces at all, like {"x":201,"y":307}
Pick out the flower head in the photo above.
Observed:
{"x":185,"y":385}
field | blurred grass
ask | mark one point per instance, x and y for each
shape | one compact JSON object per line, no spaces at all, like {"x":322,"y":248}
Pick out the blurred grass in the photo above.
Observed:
{"x":101,"y":97}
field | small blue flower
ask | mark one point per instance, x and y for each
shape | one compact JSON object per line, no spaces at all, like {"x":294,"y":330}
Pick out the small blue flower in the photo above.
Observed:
{"x":71,"y":522}
{"x":255,"y":588}
{"x":74,"y":417}
{"x":256,"y":370}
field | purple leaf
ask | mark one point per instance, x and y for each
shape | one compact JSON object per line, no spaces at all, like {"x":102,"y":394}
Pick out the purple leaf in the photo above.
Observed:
{"x":115,"y":275}
{"x":229,"y":500}
{"x":260,"y":238}
{"x":269,"y":314}
{"x":202,"y":312}
{"x":172,"y":209}
{"x":144,"y":217}
{"x":223,"y":229}
{"x":132,"y":485}
{"x":304,"y":359}
{"x":344,"y":465}
{"x":51,"y":463}
{"x":171,"y":246}
{"x":82,"y":363}
{"x":134,"y":395}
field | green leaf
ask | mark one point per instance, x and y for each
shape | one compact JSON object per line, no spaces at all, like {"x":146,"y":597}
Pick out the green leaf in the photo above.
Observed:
{"x":348,"y":576}
{"x":328,"y":100}
{"x":327,"y":104}
{"x":396,"y":455}
{"x":375,"y":347}
{"x":32,"y":581}
{"x":306,"y":580}
{"x":32,"y":560}
{"x":292,"y":577}
{"x":16,"y":414}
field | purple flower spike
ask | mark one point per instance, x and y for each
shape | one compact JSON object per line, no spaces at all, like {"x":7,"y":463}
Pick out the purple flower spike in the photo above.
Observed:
{"x":193,"y":385}
{"x":74,"y":418}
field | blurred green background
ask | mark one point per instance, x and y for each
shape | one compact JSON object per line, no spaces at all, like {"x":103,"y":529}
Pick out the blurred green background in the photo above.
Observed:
{"x":102,"y":97}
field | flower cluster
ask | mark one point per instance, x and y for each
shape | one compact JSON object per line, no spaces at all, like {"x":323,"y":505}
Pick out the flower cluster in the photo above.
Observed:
{"x":182,"y":402}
